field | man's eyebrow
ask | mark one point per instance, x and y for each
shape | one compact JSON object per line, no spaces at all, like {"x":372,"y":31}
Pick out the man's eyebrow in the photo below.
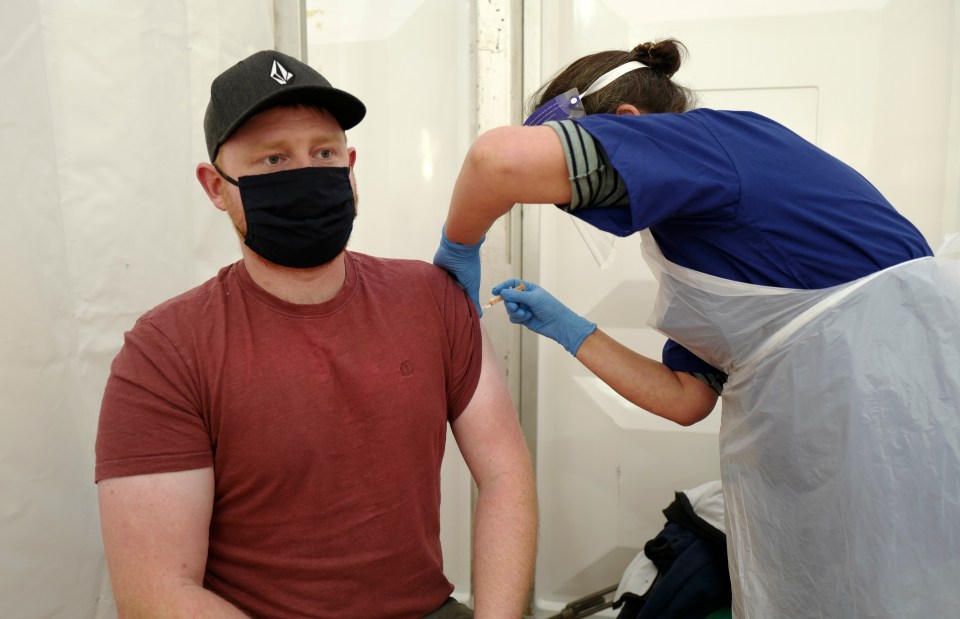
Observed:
{"x":330,"y":137}
{"x":279,"y":143}
{"x":270,"y":145}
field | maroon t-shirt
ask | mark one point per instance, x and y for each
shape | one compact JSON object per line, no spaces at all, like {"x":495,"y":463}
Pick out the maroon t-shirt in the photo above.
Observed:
{"x":325,"y":426}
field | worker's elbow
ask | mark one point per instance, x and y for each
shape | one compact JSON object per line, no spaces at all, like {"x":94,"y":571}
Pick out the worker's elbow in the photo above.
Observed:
{"x":486,"y":157}
{"x":692,"y":409}
{"x":693,"y":403}
{"x":689,"y":418}
{"x":700,"y":408}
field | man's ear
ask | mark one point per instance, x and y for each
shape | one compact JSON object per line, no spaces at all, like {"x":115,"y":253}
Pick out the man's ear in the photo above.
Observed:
{"x":627,"y":109}
{"x":352,"y":155}
{"x":213,"y":184}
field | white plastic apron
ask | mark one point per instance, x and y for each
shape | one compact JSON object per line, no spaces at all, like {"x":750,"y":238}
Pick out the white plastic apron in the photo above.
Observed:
{"x":840,"y":436}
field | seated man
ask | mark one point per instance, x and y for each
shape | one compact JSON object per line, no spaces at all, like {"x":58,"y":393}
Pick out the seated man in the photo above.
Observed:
{"x":270,"y":441}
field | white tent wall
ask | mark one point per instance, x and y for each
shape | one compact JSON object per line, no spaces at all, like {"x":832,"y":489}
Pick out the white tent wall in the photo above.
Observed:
{"x":105,"y":220}
{"x":100,"y":120}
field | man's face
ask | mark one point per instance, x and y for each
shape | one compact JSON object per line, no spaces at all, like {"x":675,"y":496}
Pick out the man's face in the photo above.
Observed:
{"x":282,"y":138}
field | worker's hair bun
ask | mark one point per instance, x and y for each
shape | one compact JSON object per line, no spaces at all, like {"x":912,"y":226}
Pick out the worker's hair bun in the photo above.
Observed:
{"x":662,"y":56}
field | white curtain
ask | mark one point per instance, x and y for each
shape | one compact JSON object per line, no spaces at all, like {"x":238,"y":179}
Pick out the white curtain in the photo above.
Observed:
{"x":101,"y":108}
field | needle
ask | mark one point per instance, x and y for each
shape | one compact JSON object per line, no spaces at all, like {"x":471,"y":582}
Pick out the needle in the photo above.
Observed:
{"x":493,"y":301}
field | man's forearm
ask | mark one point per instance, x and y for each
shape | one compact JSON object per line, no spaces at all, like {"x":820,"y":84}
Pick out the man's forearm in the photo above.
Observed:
{"x":179,"y":600}
{"x":504,"y":546}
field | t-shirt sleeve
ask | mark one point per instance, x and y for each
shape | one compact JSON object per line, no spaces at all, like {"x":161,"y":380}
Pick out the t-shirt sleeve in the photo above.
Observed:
{"x":150,"y":416}
{"x":594,"y":183}
{"x":672,"y":166}
{"x":462,"y":324}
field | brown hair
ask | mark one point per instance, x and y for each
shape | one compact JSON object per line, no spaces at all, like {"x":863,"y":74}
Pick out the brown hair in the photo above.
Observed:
{"x":649,"y":89}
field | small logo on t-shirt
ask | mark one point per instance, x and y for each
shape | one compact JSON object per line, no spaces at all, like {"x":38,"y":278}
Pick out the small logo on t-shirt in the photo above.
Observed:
{"x":406,"y":368}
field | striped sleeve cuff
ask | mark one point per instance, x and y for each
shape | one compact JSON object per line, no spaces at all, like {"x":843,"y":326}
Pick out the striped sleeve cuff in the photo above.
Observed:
{"x":593,"y":181}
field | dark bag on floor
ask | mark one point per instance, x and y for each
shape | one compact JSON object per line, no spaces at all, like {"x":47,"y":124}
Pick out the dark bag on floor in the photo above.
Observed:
{"x":693,"y":579}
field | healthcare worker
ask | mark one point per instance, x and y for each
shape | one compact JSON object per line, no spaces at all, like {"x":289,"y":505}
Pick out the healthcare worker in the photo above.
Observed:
{"x":790,"y":285}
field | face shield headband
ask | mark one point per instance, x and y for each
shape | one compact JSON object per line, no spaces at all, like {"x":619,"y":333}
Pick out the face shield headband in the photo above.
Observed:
{"x":569,"y":105}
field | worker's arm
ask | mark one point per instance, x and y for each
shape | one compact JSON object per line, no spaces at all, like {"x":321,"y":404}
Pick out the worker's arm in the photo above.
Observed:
{"x":506,"y":166}
{"x":505,"y":523}
{"x":155,"y":533}
{"x":649,"y":384}
{"x":677,"y":396}
{"x":503,"y":167}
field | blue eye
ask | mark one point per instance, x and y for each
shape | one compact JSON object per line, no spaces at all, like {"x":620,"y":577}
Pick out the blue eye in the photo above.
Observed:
{"x":325,"y":153}
{"x":272,"y":159}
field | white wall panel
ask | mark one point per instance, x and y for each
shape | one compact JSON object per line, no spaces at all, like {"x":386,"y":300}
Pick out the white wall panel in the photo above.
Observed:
{"x":101,"y":116}
{"x":101,"y":120}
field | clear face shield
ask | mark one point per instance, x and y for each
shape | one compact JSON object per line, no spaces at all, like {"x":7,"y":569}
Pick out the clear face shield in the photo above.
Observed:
{"x":602,"y":245}
{"x":563,"y":106}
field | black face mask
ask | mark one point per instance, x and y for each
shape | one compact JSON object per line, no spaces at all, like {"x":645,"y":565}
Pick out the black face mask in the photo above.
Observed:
{"x":298,"y":218}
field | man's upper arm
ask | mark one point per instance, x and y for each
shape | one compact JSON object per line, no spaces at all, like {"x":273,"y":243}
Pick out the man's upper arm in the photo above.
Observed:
{"x":488,"y":431}
{"x":155,"y":533}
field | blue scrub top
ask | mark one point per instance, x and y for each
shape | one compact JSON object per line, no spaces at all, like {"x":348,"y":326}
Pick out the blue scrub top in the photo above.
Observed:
{"x":739,"y":196}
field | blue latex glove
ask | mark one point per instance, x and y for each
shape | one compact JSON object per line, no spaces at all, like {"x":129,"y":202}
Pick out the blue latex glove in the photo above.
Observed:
{"x":537,"y":310}
{"x":463,"y":263}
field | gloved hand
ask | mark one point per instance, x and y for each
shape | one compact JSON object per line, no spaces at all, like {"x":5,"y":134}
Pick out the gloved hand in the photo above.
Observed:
{"x":463,"y":262}
{"x":537,"y":310}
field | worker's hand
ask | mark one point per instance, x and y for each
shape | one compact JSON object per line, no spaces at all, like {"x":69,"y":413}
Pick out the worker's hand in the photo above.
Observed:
{"x":463,"y":262}
{"x":537,"y":310}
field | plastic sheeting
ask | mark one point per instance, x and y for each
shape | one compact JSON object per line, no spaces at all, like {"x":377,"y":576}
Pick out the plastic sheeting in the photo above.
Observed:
{"x":840,"y":439}
{"x":100,"y":120}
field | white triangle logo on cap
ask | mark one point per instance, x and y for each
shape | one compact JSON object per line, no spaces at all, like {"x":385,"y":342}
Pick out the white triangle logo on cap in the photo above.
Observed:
{"x":280,"y":74}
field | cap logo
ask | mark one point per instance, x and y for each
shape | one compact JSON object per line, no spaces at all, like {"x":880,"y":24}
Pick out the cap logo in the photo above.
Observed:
{"x":280,"y":74}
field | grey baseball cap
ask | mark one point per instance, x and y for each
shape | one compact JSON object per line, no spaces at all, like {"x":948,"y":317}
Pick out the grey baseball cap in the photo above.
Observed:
{"x":264,"y":80}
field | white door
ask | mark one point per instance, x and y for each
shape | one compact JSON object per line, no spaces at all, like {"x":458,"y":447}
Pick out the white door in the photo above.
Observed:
{"x":874,"y":82}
